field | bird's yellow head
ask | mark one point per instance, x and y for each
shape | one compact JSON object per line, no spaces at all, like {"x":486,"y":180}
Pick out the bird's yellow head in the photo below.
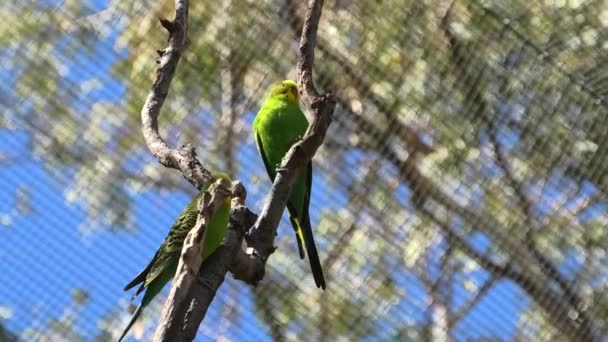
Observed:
{"x":285,"y":90}
{"x":215,"y":176}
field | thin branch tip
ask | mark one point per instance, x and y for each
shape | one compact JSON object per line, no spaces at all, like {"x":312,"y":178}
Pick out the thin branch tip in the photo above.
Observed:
{"x":167,"y":25}
{"x":239,"y":192}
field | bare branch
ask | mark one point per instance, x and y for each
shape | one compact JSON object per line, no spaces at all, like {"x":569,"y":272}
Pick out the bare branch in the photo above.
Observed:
{"x":405,"y":132}
{"x":213,"y":270}
{"x":308,"y":42}
{"x":184,"y":158}
{"x":172,"y":317}
{"x":321,"y":107}
{"x":189,"y":299}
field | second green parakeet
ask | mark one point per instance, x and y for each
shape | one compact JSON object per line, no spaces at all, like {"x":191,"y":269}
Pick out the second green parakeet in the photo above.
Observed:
{"x":163,"y":266}
{"x":277,"y":126}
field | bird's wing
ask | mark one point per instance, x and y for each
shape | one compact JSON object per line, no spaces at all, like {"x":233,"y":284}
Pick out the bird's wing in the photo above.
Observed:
{"x":141,"y":276}
{"x":311,"y":249}
{"x":272,"y":173}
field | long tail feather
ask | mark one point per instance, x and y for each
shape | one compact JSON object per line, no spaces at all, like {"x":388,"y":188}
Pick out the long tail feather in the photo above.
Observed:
{"x":151,"y":291}
{"x":131,"y":322}
{"x":141,"y":277}
{"x":299,"y":237}
{"x":311,"y":250}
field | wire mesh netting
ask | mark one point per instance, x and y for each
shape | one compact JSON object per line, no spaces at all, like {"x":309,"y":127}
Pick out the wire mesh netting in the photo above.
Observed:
{"x":460,"y":193}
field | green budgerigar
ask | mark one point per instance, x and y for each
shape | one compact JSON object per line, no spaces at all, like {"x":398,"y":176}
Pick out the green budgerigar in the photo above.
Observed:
{"x":163,"y":266}
{"x":277,"y":126}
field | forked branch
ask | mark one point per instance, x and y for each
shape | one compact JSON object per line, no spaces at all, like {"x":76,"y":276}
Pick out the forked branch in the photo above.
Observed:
{"x":196,"y":282}
{"x":321,"y":107}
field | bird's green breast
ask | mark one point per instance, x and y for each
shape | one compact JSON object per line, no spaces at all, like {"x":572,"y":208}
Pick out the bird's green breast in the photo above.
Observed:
{"x":279,"y":125}
{"x":216,"y":229}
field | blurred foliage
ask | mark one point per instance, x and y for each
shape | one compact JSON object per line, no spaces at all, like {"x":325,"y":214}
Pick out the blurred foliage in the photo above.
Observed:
{"x":61,"y":327}
{"x":509,"y":96}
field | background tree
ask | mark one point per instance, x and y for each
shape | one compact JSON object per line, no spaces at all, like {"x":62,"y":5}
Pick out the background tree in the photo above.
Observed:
{"x":461,"y":192}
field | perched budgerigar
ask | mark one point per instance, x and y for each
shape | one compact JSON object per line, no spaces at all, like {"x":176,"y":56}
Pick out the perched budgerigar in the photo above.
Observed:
{"x":163,"y":266}
{"x":277,"y":126}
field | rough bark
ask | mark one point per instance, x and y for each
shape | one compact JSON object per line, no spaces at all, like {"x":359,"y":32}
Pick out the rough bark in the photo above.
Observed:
{"x":192,"y":292}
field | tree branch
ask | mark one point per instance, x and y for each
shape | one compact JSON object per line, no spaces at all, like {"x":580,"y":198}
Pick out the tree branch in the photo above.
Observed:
{"x":184,"y":158}
{"x":407,"y":133}
{"x":189,"y":299}
{"x":213,"y":270}
{"x":174,"y":311}
{"x":262,"y":235}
